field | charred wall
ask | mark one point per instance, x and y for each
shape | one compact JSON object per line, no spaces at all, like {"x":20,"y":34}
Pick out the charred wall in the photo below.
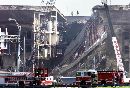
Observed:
{"x":25,"y":19}
{"x":32,"y":20}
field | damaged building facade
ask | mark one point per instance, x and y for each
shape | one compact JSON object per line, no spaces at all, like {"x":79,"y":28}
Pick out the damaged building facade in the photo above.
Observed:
{"x":95,"y":50}
{"x":119,"y":16}
{"x":29,"y":35}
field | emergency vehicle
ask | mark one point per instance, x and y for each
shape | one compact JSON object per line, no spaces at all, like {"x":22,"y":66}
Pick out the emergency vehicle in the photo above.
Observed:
{"x":91,"y":77}
{"x":14,"y":77}
{"x":39,"y":77}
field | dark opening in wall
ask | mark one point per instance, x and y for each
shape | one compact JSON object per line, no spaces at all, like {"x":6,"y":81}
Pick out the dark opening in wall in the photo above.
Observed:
{"x":53,"y":13}
{"x":126,"y":49}
{"x":126,"y":63}
{"x":2,"y":29}
{"x":28,"y":35}
{"x":121,"y":8}
{"x":126,"y":35}
{"x":1,"y":62}
{"x":28,"y":48}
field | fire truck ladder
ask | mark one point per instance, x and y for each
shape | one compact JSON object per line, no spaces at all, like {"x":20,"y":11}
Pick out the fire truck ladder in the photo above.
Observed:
{"x":120,"y":65}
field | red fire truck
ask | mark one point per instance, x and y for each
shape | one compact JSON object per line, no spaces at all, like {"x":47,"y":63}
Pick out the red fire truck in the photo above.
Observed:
{"x":99,"y":77}
{"x":39,"y":77}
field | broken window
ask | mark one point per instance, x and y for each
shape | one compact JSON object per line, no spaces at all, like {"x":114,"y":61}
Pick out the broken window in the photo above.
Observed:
{"x":53,"y":13}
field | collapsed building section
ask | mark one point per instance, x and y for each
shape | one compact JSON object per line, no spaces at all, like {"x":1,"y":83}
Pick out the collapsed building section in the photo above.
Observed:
{"x":40,"y":29}
{"x":98,"y":52}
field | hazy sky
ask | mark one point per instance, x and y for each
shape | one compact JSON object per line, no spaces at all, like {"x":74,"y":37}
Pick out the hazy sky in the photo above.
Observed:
{"x":67,"y":6}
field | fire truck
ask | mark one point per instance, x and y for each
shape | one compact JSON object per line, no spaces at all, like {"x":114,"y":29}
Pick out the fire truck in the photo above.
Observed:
{"x":39,"y":77}
{"x":91,"y":77}
{"x":9,"y":78}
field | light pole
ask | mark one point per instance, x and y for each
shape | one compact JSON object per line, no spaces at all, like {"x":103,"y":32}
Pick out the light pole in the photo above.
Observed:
{"x":18,"y":55}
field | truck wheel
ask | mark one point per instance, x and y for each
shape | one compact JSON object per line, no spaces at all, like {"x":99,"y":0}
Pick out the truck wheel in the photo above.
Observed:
{"x":103,"y":82}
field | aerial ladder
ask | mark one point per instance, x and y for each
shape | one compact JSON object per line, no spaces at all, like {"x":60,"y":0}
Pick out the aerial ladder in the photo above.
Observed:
{"x":120,"y":65}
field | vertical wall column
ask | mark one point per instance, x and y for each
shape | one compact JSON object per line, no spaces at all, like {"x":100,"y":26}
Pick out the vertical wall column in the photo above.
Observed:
{"x":49,"y":35}
{"x":55,"y":26}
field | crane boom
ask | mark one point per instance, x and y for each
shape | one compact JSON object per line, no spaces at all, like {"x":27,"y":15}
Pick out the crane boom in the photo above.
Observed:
{"x":120,"y":64}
